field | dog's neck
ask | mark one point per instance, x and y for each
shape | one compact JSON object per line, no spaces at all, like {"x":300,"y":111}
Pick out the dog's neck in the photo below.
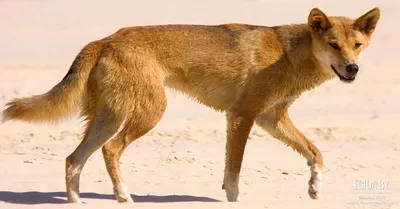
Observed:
{"x":297,"y":41}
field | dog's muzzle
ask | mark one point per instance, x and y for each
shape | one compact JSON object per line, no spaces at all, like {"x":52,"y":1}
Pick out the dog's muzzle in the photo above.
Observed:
{"x":351,"y":72}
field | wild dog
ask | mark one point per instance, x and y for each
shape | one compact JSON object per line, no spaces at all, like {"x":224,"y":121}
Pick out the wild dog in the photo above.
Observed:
{"x":252,"y":73}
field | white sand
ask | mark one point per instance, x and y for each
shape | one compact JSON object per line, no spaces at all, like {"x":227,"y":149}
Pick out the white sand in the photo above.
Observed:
{"x":180,"y":162}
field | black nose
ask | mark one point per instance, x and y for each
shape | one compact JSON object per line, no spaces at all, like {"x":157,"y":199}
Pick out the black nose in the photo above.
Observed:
{"x":352,"y":69}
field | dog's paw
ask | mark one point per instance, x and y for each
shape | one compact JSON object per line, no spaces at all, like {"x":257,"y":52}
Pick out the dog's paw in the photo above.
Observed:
{"x":315,"y":183}
{"x":233,"y":197}
{"x":73,"y":197}
{"x":122,"y":194}
{"x":232,"y":192}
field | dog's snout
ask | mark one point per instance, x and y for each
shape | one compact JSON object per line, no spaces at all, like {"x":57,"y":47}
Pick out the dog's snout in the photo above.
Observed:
{"x":352,"y":69}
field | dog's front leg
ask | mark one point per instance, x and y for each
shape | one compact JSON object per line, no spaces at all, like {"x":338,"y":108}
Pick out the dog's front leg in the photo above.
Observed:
{"x":238,"y":129}
{"x":277,"y":123}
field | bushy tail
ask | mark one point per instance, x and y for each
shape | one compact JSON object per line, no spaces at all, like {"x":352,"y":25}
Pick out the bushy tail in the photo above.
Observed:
{"x":62,"y":99}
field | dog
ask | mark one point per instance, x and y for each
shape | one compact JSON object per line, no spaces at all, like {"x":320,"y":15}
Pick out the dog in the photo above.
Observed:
{"x":252,"y":73}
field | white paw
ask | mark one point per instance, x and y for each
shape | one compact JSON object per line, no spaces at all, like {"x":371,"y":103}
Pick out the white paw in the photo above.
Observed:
{"x":122,"y":194}
{"x":315,"y":183}
{"x":232,"y":192}
{"x":74,"y":198}
{"x":232,"y":197}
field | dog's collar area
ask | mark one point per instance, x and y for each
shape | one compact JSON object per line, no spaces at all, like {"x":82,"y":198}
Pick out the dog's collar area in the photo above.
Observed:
{"x":341,"y":77}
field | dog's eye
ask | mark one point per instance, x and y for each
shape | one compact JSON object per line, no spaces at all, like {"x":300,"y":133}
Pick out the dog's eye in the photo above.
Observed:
{"x":357,"y":45}
{"x":335,"y":46}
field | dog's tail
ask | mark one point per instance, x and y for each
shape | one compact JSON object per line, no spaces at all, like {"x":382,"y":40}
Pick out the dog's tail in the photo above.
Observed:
{"x":62,"y":99}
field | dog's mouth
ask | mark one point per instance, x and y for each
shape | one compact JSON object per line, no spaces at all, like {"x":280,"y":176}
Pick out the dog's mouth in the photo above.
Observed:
{"x":343,"y":78}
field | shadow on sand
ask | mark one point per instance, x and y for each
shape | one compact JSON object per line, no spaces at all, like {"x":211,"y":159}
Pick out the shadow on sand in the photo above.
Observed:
{"x":35,"y":197}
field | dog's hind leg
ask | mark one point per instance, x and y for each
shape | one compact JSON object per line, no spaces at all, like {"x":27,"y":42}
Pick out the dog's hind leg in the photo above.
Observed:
{"x":277,"y":123}
{"x":148,"y":106}
{"x":100,"y":128}
{"x":112,"y":152}
{"x":137,"y":126}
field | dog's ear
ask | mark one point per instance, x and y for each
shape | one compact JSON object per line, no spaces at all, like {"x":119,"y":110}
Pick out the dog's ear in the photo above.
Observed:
{"x":367,"y":22}
{"x":318,"y":20}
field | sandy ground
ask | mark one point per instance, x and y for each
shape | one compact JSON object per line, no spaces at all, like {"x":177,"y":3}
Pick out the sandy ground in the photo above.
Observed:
{"x":180,"y":162}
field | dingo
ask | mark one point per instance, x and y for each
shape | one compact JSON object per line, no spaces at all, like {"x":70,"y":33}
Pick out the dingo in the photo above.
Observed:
{"x":253,"y":73}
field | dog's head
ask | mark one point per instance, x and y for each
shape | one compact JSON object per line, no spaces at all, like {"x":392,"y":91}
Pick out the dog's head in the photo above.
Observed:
{"x":338,"y":42}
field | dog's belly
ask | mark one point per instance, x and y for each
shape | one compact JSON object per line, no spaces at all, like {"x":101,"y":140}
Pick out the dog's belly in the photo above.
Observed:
{"x":215,"y":93}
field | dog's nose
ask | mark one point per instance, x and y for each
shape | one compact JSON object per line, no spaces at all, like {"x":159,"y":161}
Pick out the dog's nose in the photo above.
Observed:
{"x":352,"y":69}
